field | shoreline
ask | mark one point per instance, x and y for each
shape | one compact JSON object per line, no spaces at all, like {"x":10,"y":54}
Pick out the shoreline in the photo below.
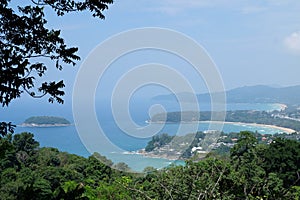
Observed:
{"x":282,"y":106}
{"x":44,"y":125}
{"x":286,"y":130}
{"x":145,"y":154}
{"x":174,"y":158}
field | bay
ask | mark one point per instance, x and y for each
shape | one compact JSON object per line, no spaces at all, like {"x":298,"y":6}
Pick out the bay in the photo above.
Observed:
{"x":67,"y":138}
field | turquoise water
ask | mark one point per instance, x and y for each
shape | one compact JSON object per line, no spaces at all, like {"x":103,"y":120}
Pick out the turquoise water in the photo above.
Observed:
{"x":67,"y":139}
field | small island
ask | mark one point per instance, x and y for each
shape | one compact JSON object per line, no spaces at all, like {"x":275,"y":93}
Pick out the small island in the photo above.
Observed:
{"x":45,"y":121}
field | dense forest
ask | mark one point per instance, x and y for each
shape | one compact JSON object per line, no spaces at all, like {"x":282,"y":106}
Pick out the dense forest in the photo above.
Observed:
{"x":166,"y":145}
{"x":251,"y":171}
{"x":246,"y":116}
{"x":46,"y":120}
{"x":30,"y":47}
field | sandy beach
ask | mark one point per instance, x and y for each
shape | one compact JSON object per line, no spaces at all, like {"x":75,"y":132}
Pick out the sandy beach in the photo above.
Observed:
{"x":283,"y":129}
{"x":286,"y":130}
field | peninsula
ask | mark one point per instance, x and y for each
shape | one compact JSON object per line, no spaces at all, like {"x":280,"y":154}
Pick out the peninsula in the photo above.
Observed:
{"x":45,"y":121}
{"x":287,"y":121}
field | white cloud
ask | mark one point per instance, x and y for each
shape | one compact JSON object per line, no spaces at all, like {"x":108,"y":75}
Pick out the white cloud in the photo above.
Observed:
{"x":292,"y":42}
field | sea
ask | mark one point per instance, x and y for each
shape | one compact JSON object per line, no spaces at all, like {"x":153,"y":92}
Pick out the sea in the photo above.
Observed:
{"x":71,"y":140}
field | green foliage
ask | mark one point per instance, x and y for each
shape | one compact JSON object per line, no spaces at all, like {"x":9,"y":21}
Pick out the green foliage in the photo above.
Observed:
{"x":158,"y":141}
{"x":46,"y":120}
{"x":25,"y":142}
{"x":295,"y":193}
{"x":121,"y":166}
{"x":25,"y":41}
{"x":103,"y":159}
{"x":30,"y":172}
{"x":283,"y":158}
{"x":259,"y":171}
{"x":252,"y":171}
{"x":6,"y":128}
{"x":246,"y":116}
{"x":222,"y":150}
{"x":5,"y":145}
{"x":70,"y":190}
{"x":197,"y":180}
{"x":244,"y":146}
{"x":149,"y":170}
{"x":96,"y":170}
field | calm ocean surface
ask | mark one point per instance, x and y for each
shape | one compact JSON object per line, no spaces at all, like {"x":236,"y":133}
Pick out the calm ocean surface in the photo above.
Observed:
{"x":67,"y":139}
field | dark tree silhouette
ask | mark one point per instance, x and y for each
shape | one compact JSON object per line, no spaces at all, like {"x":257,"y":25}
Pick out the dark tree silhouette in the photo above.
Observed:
{"x":25,"y":43}
{"x":6,"y":128}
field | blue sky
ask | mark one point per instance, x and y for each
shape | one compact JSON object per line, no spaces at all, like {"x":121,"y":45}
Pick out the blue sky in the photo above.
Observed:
{"x":251,"y":41}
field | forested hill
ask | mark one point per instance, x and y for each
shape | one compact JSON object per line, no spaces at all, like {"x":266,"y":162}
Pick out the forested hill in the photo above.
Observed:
{"x":265,"y":94}
{"x":46,"y":120}
{"x":248,"y":94}
{"x":245,"y":116}
{"x":251,"y":171}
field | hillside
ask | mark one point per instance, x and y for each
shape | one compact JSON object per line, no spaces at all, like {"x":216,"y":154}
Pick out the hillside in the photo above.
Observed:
{"x":244,"y":116}
{"x":249,"y":170}
{"x":247,"y":94}
{"x":46,"y":121}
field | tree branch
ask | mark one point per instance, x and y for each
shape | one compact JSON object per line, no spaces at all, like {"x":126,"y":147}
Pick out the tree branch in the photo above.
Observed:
{"x":33,"y":95}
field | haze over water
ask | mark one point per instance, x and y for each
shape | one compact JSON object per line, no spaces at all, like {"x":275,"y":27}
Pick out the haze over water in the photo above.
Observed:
{"x":67,"y":138}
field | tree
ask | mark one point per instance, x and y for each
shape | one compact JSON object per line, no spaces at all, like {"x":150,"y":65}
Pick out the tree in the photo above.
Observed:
{"x":70,"y":190}
{"x":103,"y":159}
{"x":121,"y":166}
{"x":283,"y":158}
{"x":250,"y":177}
{"x":25,"y":42}
{"x":25,"y":142}
{"x":6,"y":128}
{"x":5,"y":145}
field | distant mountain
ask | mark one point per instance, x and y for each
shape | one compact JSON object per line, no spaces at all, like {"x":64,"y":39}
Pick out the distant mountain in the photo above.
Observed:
{"x":264,"y":94}
{"x":247,"y":94}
